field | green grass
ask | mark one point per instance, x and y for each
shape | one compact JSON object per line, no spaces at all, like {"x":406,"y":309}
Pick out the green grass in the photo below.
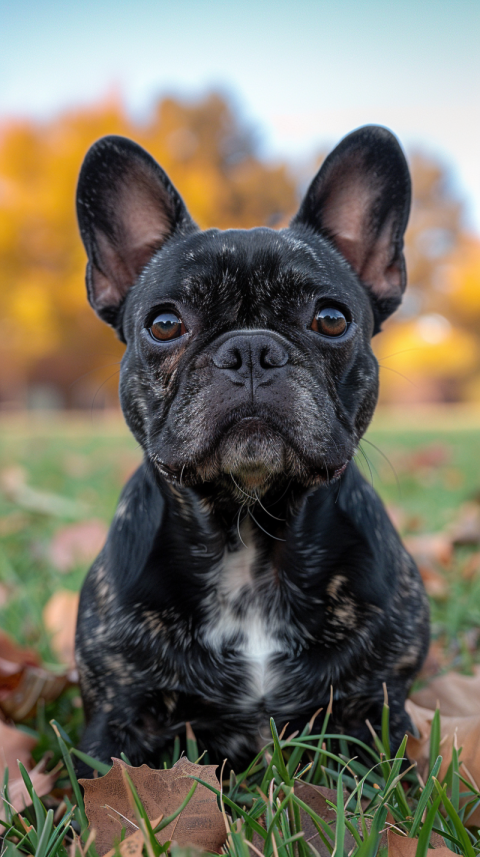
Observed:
{"x":263,"y":805}
{"x":427,"y":478}
{"x":429,"y":495}
{"x":424,"y":475}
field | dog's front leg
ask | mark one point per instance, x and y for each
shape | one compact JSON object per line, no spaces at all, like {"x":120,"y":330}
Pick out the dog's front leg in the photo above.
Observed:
{"x":108,"y":734}
{"x":361,"y":715}
{"x":100,"y":741}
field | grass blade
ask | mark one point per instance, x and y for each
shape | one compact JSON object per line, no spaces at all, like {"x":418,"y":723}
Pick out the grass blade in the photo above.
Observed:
{"x":340,"y":825}
{"x":101,"y":767}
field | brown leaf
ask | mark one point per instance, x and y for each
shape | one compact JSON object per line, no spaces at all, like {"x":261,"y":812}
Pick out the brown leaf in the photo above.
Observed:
{"x":462,"y":732}
{"x":430,"y":457}
{"x":17,"y":745}
{"x":435,"y":661}
{"x":77,"y":544}
{"x":434,"y":582}
{"x":396,"y":515}
{"x":13,"y":652}
{"x":132,"y":846}
{"x":35,"y":683}
{"x":472,"y":566}
{"x":404,"y":846}
{"x":109,"y":809}
{"x":60,"y":619}
{"x":14,"y":744}
{"x":23,"y":681}
{"x":466,"y":528}
{"x":430,"y":549}
{"x":316,"y":797}
{"x":457,"y":695}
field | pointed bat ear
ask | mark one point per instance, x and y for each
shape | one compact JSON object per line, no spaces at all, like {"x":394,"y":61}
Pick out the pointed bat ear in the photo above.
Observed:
{"x":360,"y":201}
{"x":127,"y":209}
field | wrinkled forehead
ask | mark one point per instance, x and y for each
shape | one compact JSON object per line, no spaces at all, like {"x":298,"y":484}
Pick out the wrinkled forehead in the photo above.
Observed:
{"x":246,"y":269}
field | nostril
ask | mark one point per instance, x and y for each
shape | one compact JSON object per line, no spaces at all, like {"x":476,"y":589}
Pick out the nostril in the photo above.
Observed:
{"x":246,"y":353}
{"x":228,"y":357}
{"x":273,"y":356}
{"x":235,"y":359}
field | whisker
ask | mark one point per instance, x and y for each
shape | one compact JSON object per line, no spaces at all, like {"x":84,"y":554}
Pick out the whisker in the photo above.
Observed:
{"x":100,"y":387}
{"x":266,"y":510}
{"x":238,"y":524}
{"x":241,"y":489}
{"x":265,"y":531}
{"x":368,"y":464}
{"x":404,"y":351}
{"x":375,"y":469}
{"x":95,"y":369}
{"x":397,"y":480}
{"x":399,"y":373}
{"x":282,"y":496}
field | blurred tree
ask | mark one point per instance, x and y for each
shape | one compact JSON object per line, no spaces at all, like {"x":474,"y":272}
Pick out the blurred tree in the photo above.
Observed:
{"x":54,"y":350}
{"x":430,"y":349}
{"x":52,"y":347}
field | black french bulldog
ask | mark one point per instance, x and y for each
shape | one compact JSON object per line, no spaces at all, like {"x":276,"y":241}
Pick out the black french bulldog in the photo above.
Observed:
{"x":249,"y":566}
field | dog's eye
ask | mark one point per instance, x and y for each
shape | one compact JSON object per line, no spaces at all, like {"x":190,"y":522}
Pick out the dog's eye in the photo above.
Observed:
{"x":330,"y":321}
{"x":167,"y":325}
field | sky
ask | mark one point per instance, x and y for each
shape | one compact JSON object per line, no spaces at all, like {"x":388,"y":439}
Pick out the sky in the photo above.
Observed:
{"x":303,"y":73}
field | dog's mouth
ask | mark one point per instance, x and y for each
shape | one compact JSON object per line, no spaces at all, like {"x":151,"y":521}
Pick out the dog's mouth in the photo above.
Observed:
{"x":251,"y":454}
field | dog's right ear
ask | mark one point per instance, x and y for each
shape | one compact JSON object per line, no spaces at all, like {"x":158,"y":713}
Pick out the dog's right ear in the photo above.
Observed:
{"x":127,"y":209}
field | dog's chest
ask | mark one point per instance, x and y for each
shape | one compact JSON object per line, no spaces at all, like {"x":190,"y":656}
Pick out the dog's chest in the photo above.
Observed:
{"x":243,"y":618}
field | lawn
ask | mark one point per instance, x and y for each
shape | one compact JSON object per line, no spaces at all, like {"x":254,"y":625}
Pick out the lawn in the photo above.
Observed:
{"x":59,"y":483}
{"x":425,"y":476}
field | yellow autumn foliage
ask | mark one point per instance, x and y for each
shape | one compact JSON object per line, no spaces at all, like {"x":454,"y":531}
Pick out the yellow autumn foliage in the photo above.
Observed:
{"x":50,"y":336}
{"x":48,"y":333}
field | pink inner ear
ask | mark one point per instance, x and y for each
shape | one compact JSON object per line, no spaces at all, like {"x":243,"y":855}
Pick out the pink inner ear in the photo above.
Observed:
{"x":147,"y":227}
{"x":347,"y":217}
{"x":380,"y":271}
{"x":142,"y":228}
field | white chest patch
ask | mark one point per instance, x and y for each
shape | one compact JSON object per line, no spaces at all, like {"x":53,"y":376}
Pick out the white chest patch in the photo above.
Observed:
{"x":239,"y":619}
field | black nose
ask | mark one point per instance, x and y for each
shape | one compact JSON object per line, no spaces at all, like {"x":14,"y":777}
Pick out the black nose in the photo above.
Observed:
{"x":251,"y":357}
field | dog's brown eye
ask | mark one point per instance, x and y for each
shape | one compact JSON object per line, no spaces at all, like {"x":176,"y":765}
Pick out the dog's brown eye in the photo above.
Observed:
{"x":167,"y":325}
{"x":330,"y":321}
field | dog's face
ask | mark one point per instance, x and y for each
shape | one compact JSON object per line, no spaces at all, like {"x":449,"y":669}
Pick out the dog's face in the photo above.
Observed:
{"x":248,"y":358}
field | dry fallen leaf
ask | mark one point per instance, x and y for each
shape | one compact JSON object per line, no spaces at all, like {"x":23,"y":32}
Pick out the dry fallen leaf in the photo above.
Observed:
{"x":403,"y":846}
{"x":316,"y":797}
{"x":465,"y":530}
{"x":429,"y":457}
{"x":435,"y":661}
{"x":60,"y":619}
{"x":108,"y":806}
{"x":17,"y":745}
{"x":457,"y":695}
{"x":23,"y":681}
{"x":462,"y":732}
{"x":435,"y":584}
{"x":472,"y":566}
{"x":430,"y":549}
{"x":77,"y":544}
{"x":132,"y":846}
{"x":13,"y":653}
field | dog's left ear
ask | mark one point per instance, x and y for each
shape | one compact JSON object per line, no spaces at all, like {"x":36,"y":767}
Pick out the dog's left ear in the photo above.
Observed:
{"x":127,"y":210}
{"x":360,"y":200}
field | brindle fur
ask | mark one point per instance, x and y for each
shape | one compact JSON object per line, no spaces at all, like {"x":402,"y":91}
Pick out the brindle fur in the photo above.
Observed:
{"x":247,"y":570}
